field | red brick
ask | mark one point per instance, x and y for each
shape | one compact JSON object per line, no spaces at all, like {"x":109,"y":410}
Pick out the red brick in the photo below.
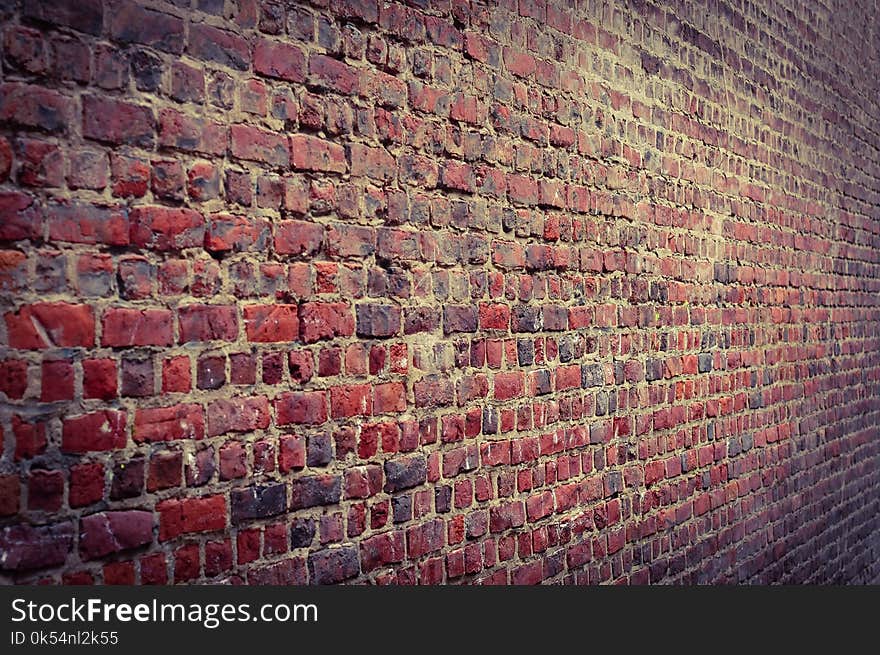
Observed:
{"x":189,"y":515}
{"x":5,"y":159}
{"x":30,"y":437}
{"x":219,"y":46}
{"x":382,"y":550}
{"x":117,"y":122}
{"x":168,"y":423}
{"x":458,"y":176}
{"x":166,"y":470}
{"x":133,"y":327}
{"x":259,"y":145}
{"x":44,"y":325}
{"x":519,"y":63}
{"x":301,"y":407}
{"x":310,"y":153}
{"x":280,"y":60}
{"x":270,"y":323}
{"x":13,"y":378}
{"x":351,"y":400}
{"x":228,"y":232}
{"x":86,"y":484}
{"x":25,"y":49}
{"x":494,"y":317}
{"x":41,"y":164}
{"x":191,"y":134}
{"x":58,"y":379}
{"x":334,"y":74}
{"x":19,"y":217}
{"x":207,"y":323}
{"x":298,"y":238}
{"x":164,"y":228}
{"x":508,"y":385}
{"x":238,"y":415}
{"x":131,"y":23}
{"x":32,"y":106}
{"x":319,"y":321}
{"x":33,"y":547}
{"x":154,"y":570}
{"x":376,"y":163}
{"x":45,"y":490}
{"x":389,"y":398}
{"x":10,"y":493}
{"x":80,"y":15}
{"x":99,"y":431}
{"x":77,"y":222}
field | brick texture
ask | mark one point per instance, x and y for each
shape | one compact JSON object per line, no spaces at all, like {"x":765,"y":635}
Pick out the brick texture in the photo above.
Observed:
{"x":508,"y":292}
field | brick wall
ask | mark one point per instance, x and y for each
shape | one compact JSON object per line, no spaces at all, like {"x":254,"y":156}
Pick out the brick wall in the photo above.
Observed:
{"x":446,"y":291}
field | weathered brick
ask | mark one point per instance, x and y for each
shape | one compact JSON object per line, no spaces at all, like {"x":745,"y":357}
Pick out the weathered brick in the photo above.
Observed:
{"x":32,"y":106}
{"x":238,"y":415}
{"x":207,"y":323}
{"x":301,"y":407}
{"x":236,"y":233}
{"x":459,"y":318}
{"x":298,"y":238}
{"x":76,"y":222}
{"x":19,"y":217}
{"x":382,"y":550}
{"x":219,"y":46}
{"x":333,"y":565}
{"x":117,"y":122}
{"x":133,"y":327}
{"x":110,"y":532}
{"x":45,"y":325}
{"x":427,"y":538}
{"x":258,"y":502}
{"x":184,"y":421}
{"x":85,"y":16}
{"x":405,"y":472}
{"x":98,"y":431}
{"x":190,"y":133}
{"x":281,"y":60}
{"x":319,"y":321}
{"x":163,"y":228}
{"x":374,"y":320}
{"x":26,"y":547}
{"x":270,"y":323}
{"x":315,"y":490}
{"x":389,"y":398}
{"x":259,"y":145}
{"x":446,"y":235}
{"x":376,"y":163}
{"x":131,"y":23}
{"x":311,"y":153}
{"x":333,"y":74}
{"x":191,"y":515}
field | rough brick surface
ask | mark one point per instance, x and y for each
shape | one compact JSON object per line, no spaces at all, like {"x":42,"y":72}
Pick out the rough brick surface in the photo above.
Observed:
{"x":526,"y":291}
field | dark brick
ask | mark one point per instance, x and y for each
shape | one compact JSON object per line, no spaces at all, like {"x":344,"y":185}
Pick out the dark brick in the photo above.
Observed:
{"x":25,"y":547}
{"x":258,"y":502}
{"x":81,"y":15}
{"x":333,"y":565}
{"x":405,"y":472}
{"x":459,"y":318}
{"x":316,"y":490}
{"x":375,"y":320}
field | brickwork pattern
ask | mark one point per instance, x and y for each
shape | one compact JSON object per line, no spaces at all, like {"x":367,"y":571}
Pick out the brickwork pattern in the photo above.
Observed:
{"x":446,"y":291}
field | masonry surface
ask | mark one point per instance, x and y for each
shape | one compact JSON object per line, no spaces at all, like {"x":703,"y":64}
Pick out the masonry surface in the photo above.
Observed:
{"x":439,"y":292}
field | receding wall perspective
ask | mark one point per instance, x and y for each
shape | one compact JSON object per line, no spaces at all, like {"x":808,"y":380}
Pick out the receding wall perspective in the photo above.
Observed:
{"x":439,"y":292}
